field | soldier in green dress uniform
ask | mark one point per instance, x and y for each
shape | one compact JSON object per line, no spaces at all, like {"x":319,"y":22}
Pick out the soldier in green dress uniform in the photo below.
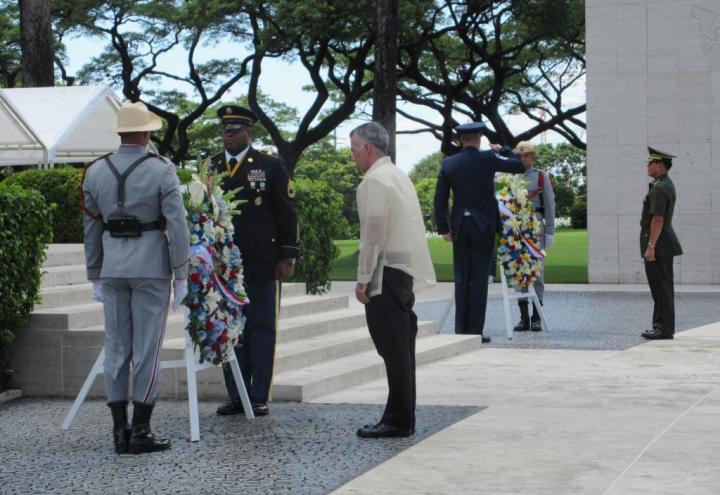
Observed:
{"x":659,"y":244}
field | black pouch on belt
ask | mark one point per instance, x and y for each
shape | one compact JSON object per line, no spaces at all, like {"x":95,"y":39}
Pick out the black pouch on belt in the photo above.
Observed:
{"x":124,"y":226}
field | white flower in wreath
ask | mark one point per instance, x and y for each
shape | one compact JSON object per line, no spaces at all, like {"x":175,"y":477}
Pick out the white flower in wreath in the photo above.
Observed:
{"x":197,"y":193}
{"x":212,"y":298}
{"x":209,"y":228}
{"x":522,"y":198}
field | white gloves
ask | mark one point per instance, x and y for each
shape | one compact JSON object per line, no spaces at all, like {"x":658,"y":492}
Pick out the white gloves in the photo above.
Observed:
{"x":180,"y":290}
{"x":97,"y":293}
{"x":549,"y":240}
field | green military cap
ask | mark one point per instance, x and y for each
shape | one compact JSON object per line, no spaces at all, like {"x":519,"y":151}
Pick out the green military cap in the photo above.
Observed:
{"x":655,"y":155}
{"x":235,"y":117}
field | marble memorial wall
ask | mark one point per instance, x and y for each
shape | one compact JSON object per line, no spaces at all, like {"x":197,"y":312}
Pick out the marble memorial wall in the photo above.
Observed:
{"x":653,"y":78}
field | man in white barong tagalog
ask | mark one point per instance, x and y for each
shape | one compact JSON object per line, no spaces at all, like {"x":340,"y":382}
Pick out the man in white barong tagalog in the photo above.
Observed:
{"x":393,"y":257}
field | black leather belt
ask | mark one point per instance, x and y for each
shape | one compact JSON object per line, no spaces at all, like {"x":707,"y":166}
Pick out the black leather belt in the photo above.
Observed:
{"x":144,"y":226}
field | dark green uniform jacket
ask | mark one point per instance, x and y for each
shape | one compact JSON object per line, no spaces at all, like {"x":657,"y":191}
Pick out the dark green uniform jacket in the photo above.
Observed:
{"x":660,"y":200}
{"x":266,"y":230}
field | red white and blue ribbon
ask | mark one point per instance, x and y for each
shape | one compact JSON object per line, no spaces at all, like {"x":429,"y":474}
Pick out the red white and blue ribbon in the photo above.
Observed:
{"x":535,"y":251}
{"x":202,"y":254}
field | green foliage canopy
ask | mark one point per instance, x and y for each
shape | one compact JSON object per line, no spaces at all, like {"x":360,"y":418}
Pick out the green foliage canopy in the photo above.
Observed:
{"x":335,"y":168}
{"x":320,"y":223}
{"x":427,"y":168}
{"x":426,"y":196}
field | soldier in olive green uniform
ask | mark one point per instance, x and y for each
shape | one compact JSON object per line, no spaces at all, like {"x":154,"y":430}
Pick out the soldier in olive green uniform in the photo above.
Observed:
{"x":659,"y":244}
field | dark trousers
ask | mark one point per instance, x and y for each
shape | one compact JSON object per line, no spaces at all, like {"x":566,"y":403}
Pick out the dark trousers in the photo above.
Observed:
{"x":393,"y":328}
{"x":471,"y":261}
{"x":660,"y":279}
{"x":256,"y":352}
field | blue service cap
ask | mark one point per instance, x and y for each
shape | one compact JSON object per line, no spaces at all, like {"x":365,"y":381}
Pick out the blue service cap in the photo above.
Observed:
{"x":471,"y":128}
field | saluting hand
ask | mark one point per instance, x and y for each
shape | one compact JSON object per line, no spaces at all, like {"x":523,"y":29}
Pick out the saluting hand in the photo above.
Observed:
{"x":495,"y":147}
{"x":448,"y":236}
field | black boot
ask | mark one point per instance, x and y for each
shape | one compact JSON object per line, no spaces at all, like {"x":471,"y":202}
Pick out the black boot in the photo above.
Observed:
{"x":535,"y":323}
{"x":142,"y":440}
{"x":524,"y":324}
{"x":121,"y":431}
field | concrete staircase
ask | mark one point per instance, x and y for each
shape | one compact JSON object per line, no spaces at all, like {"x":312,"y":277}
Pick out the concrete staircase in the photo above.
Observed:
{"x":323,"y":344}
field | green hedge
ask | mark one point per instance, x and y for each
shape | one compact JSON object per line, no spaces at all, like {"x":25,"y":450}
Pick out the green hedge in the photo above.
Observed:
{"x":321,"y":221}
{"x":60,"y":186}
{"x":25,"y":232}
{"x":578,"y":213}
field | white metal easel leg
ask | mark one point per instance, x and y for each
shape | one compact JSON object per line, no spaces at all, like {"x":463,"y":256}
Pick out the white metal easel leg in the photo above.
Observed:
{"x":192,"y":390}
{"x":538,"y":306}
{"x":94,"y":372}
{"x":446,"y":311}
{"x":240,"y":384}
{"x":506,"y":304}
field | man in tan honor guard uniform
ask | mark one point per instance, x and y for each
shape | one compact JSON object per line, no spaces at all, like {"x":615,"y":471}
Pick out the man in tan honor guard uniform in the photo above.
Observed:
{"x":542,"y":196}
{"x":659,"y":244}
{"x":136,"y":240}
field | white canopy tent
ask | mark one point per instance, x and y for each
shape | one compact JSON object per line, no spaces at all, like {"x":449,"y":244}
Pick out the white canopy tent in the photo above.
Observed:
{"x":43,"y":126}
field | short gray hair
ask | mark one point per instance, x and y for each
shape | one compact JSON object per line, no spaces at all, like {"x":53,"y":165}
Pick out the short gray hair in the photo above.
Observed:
{"x":374,"y":133}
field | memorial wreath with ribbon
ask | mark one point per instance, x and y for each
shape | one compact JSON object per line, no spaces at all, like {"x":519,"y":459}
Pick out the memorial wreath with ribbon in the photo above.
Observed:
{"x":519,"y":249}
{"x":215,"y":279}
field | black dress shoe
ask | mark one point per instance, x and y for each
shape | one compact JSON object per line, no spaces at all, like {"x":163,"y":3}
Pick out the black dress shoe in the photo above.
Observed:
{"x":382,"y":430}
{"x":229,"y":408}
{"x":260,"y":409}
{"x":486,"y":340}
{"x":658,"y":335}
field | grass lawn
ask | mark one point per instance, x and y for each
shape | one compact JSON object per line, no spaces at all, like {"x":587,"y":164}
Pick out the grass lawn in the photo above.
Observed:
{"x":566,"y":262}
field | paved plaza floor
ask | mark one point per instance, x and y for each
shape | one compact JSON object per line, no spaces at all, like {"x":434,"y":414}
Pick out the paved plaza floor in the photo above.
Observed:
{"x":304,"y":449}
{"x":589,"y":408}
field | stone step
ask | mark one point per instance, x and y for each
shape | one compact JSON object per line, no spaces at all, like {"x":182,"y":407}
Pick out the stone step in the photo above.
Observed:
{"x":310,"y":351}
{"x":90,"y":315}
{"x":315,"y":350}
{"x":64,"y":254}
{"x":313,"y":381}
{"x":298,"y":327}
{"x":63,"y":275}
{"x":70,"y":295}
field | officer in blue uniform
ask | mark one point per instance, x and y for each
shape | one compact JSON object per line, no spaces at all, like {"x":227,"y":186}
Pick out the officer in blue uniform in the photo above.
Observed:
{"x":266,"y":231}
{"x":474,"y":220}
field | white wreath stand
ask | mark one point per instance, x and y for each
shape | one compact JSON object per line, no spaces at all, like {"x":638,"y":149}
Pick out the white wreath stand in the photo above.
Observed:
{"x":516,"y":295}
{"x":507,"y":297}
{"x":192,"y":368}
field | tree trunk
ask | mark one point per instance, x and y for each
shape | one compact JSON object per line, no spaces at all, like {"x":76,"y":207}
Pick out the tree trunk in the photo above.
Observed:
{"x":36,"y":41}
{"x":385,"y":63}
